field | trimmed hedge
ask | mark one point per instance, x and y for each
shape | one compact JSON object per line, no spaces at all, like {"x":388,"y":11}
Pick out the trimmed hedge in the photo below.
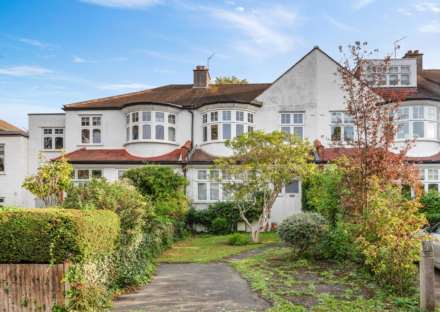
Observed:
{"x":53,"y":235}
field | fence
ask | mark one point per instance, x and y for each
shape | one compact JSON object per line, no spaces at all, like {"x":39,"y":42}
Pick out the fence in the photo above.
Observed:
{"x":31,"y":287}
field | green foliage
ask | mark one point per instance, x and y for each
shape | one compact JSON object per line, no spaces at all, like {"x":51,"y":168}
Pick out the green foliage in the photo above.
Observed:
{"x":226,"y":210}
{"x":52,"y":179}
{"x":238,"y":239}
{"x":387,"y":240}
{"x":164,"y":187}
{"x":54,"y":235}
{"x":322,"y":193}
{"x":431,"y":206}
{"x":220,"y":226}
{"x":303,"y":231}
{"x":229,"y":80}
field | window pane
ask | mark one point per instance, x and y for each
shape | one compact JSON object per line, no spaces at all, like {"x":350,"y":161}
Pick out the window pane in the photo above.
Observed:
{"x":336,"y":133}
{"x":432,"y":174}
{"x":404,"y":79}
{"x":96,"y":121}
{"x":285,"y":119}
{"x":348,"y":118}
{"x":59,"y":131}
{"x":96,"y":174}
{"x":239,"y":116}
{"x":59,"y":144}
{"x":403,"y":130}
{"x":418,"y":129}
{"x":214,"y":174}
{"x":83,"y":174}
{"x":403,"y":113}
{"x":202,"y":174}
{"x":214,"y":132}
{"x":298,"y":131}
{"x":214,"y":191}
{"x":431,"y":112}
{"x":250,"y":117}
{"x":127,"y":136}
{"x":96,"y":136}
{"x":47,"y":131}
{"x":285,"y":129}
{"x":430,"y":130}
{"x":48,"y":143}
{"x":135,"y":133}
{"x":205,"y":134}
{"x":404,"y":69}
{"x":239,"y":130}
{"x":160,"y":135}
{"x":336,"y":117}
{"x":135,"y":117}
{"x":171,"y":134}
{"x":160,"y":117}
{"x":348,"y":134}
{"x":85,"y":136}
{"x":205,"y":118}
{"x":418,"y":112}
{"x":2,"y":157}
{"x":85,"y":121}
{"x":226,"y":115}
{"x":171,"y":118}
{"x":146,"y":116}
{"x":433,"y":187}
{"x":393,"y":69}
{"x":127,"y":119}
{"x":250,"y":129}
{"x":393,"y":79}
{"x":292,"y":188}
{"x":226,"y":131}
{"x":298,"y":119}
{"x":146,"y":132}
{"x":214,"y":116}
{"x":201,"y":191}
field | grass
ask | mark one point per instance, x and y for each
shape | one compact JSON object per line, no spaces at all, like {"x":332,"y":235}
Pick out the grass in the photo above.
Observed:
{"x":297,"y":285}
{"x":209,"y":248}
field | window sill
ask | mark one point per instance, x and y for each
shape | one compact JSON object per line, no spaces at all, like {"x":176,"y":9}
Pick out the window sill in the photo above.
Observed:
{"x":151,"y":141}
{"x":214,"y":142}
{"x":2,"y":173}
{"x":416,"y":140}
{"x":207,"y":201}
{"x":86,"y":145}
{"x":52,"y":150}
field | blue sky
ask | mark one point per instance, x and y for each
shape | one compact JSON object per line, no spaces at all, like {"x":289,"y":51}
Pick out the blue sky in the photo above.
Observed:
{"x":54,"y":52}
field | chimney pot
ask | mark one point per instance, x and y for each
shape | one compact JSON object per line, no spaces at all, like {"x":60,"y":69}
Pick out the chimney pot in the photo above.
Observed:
{"x":201,"y":77}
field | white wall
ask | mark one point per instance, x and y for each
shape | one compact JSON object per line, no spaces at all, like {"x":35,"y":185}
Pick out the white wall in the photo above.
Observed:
{"x":16,"y":168}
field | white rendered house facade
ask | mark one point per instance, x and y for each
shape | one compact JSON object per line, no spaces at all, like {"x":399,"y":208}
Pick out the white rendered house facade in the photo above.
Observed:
{"x":185,"y":126}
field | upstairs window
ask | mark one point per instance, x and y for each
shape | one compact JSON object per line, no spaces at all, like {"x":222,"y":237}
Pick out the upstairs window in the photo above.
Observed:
{"x":151,"y":126}
{"x":226,"y":124}
{"x":91,"y":130}
{"x":341,"y":127}
{"x":53,"y":138}
{"x":396,"y":75}
{"x":418,"y":122}
{"x":293,"y":123}
{"x":2,"y":158}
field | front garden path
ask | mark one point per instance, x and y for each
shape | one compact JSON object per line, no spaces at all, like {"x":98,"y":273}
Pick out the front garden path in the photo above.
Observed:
{"x":205,"y":287}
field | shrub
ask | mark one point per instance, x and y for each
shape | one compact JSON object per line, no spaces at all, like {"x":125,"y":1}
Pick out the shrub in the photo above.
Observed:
{"x":302,"y":231}
{"x":431,"y":206}
{"x":219,"y":226}
{"x":339,"y":244}
{"x":237,"y":239}
{"x":53,"y":235}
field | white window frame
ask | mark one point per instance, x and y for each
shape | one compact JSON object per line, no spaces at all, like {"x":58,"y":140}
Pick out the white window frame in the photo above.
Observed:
{"x":91,"y":128}
{"x":3,"y":157}
{"x":345,"y":122}
{"x":292,"y":126}
{"x":395,"y":73}
{"x":168,"y":123}
{"x":77,"y":180}
{"x":208,"y":179}
{"x":417,"y":114}
{"x":53,"y":135}
{"x":430,"y":177}
{"x":237,"y":118}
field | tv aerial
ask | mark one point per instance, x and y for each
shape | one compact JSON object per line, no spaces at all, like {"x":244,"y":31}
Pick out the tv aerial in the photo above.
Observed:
{"x":397,"y":45}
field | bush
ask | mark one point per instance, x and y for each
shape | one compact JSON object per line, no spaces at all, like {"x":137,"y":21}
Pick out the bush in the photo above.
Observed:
{"x":431,"y":206}
{"x":220,"y":226}
{"x":238,"y":240}
{"x":302,"y":231}
{"x":54,"y":235}
{"x":339,"y":244}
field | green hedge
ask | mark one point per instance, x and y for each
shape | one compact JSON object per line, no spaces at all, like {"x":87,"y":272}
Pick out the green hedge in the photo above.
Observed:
{"x":53,"y":235}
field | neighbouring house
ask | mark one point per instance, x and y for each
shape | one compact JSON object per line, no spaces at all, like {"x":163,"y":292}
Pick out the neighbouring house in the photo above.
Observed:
{"x":185,"y":126}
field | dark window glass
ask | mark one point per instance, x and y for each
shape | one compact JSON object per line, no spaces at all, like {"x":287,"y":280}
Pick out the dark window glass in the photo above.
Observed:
{"x":292,"y":188}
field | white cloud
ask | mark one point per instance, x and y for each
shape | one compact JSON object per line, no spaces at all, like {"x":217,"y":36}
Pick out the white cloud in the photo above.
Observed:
{"x":34,"y":42}
{"x":404,"y":11}
{"x":128,"y":4}
{"x":23,"y":71}
{"x":360,"y":4}
{"x":433,"y":28}
{"x":338,"y":24}
{"x":262,"y":30}
{"x":124,"y":86}
{"x":239,"y":9}
{"x":428,"y":7}
{"x":78,"y":60}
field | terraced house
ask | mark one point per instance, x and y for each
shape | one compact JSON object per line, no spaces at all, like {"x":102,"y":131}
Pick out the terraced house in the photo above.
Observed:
{"x":185,"y":127}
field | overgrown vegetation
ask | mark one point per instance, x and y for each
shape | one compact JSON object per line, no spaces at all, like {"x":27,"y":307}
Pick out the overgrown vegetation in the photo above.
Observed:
{"x":430,"y":202}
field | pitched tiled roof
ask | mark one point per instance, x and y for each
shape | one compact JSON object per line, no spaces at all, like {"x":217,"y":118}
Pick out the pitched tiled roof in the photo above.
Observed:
{"x":200,"y":156}
{"x":117,"y":156}
{"x":178,"y":95}
{"x":8,"y":129}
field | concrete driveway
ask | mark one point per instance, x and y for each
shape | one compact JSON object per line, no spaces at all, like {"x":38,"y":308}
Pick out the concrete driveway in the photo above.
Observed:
{"x":193,"y":287}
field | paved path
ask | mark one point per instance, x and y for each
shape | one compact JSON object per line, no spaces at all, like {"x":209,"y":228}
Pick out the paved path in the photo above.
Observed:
{"x":193,"y":287}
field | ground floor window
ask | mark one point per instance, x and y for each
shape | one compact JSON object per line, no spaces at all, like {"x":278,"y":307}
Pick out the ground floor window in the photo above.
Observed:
{"x":85,"y":175}
{"x":2,"y":201}
{"x":209,"y":186}
{"x":430,"y":178}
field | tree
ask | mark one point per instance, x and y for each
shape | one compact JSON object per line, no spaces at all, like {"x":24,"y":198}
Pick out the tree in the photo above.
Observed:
{"x":261,"y":164}
{"x":229,"y":80}
{"x":375,"y":154}
{"x":53,"y":178}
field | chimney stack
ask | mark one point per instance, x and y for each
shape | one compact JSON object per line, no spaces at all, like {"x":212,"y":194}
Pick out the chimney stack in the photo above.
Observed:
{"x":416,"y":55}
{"x":201,"y":77}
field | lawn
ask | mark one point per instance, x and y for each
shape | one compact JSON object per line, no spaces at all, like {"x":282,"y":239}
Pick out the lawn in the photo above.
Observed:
{"x":208,"y":248}
{"x":306,"y":285}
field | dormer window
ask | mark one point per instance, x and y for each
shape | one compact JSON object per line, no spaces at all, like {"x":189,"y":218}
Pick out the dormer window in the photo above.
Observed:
{"x":398,"y":74}
{"x":151,"y":126}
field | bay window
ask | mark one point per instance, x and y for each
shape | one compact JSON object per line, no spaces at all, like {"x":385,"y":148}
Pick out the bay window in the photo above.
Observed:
{"x":418,"y":121}
{"x":341,"y":127}
{"x":153,"y":126}
{"x":293,"y":123}
{"x":430,"y":179}
{"x":226,"y":124}
{"x":91,"y":129}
